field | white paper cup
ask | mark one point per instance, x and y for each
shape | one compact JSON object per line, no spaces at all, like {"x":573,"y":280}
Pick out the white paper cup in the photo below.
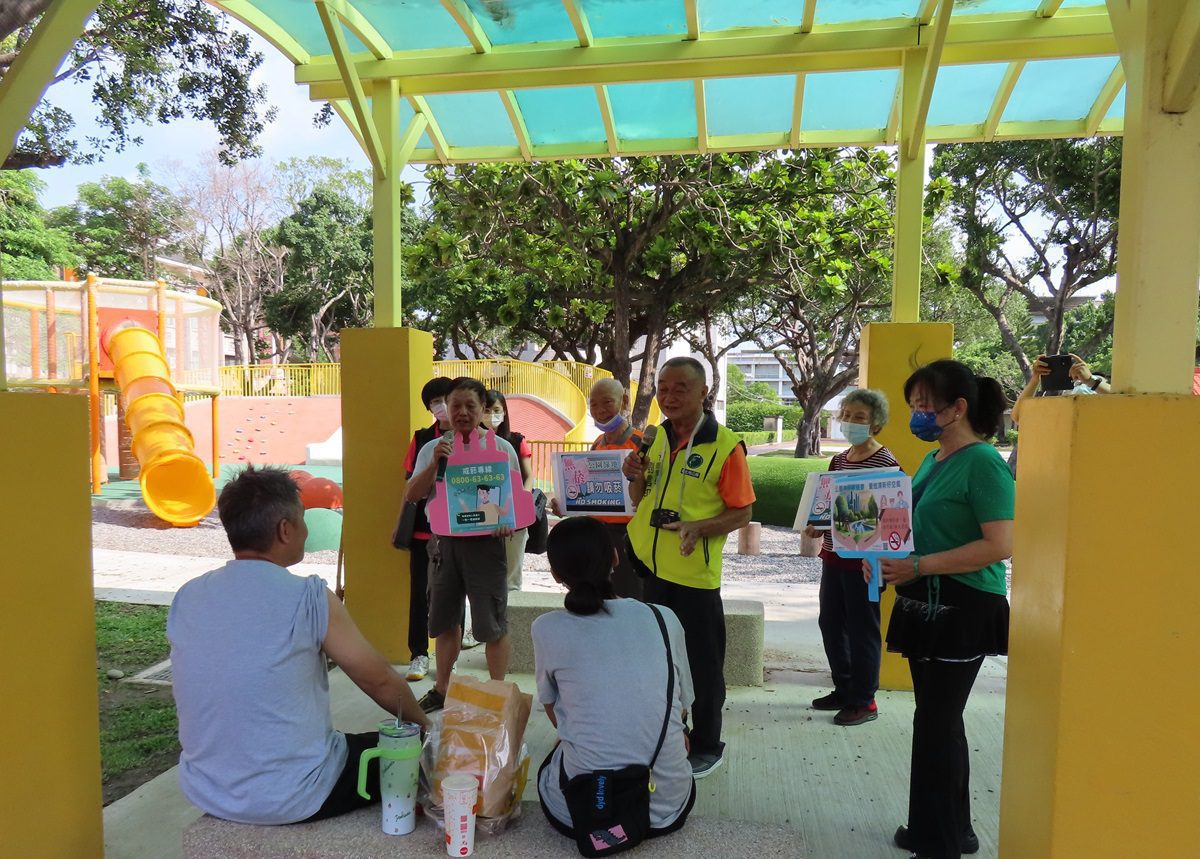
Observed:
{"x":460,"y":795}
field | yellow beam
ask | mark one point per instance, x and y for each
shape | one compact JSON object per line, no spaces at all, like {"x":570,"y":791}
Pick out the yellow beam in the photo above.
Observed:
{"x":893,"y":126}
{"x":692,"y":14}
{"x":1011,"y":75}
{"x":343,"y":109}
{"x":914,"y":125}
{"x":1183,"y":62}
{"x":331,"y":21}
{"x":387,"y":206}
{"x":810,"y":15}
{"x":995,"y":39}
{"x":925,"y":15}
{"x":909,"y":219}
{"x":1108,"y":94}
{"x":1048,"y":8}
{"x":701,"y":118}
{"x":470,"y":26}
{"x":606,"y":113}
{"x":417,"y":126}
{"x":583,"y":30}
{"x":435,"y":131}
{"x":26,"y":80}
{"x":266,"y":26}
{"x":518,"y":122}
{"x":797,"y":111}
{"x":357,"y":24}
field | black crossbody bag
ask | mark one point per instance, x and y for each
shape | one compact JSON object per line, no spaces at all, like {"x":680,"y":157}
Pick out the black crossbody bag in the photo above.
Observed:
{"x":610,"y":809}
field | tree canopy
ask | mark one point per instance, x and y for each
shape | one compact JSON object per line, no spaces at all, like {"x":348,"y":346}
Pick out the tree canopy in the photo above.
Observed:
{"x":29,"y":248}
{"x":146,"y":61}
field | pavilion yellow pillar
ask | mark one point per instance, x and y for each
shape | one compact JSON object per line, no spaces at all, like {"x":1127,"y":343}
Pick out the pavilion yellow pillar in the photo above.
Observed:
{"x":910,"y":201}
{"x":50,"y":757}
{"x":1100,"y":753}
{"x":890,"y":351}
{"x":383,"y":370}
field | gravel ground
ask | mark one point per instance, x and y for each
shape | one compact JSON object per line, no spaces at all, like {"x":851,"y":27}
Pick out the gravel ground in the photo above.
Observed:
{"x":138,"y":530}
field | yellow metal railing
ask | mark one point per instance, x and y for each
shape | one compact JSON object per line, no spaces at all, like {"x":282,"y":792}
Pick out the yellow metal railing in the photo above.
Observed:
{"x":542,"y":461}
{"x":535,"y":380}
{"x":282,"y":380}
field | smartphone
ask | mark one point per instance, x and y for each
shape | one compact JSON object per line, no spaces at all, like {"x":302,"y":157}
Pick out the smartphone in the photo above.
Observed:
{"x":1059,"y":377}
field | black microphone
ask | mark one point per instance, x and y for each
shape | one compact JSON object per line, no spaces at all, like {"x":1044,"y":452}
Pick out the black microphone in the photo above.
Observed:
{"x":648,"y":435}
{"x":441,"y":472}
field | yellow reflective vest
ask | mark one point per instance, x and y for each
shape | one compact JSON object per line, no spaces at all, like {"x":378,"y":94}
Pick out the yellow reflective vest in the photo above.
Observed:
{"x":696,"y":475}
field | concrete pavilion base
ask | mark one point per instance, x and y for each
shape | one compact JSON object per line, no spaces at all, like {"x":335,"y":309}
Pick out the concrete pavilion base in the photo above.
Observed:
{"x":530,"y":837}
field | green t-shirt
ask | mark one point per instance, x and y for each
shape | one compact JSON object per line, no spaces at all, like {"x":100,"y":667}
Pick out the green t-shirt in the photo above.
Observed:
{"x":974,"y":485}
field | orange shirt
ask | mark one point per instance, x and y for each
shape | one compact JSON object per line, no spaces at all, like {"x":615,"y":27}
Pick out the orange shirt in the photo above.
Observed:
{"x":734,"y":484}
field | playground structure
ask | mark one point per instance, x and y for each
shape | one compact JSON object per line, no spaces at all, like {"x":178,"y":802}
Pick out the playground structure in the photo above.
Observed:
{"x":140,"y":341}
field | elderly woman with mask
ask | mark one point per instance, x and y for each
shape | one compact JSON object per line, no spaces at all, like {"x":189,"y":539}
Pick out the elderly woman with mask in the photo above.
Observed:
{"x":608,"y":404}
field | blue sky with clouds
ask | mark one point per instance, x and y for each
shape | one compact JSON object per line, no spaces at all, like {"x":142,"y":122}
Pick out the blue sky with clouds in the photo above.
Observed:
{"x":167,"y":149}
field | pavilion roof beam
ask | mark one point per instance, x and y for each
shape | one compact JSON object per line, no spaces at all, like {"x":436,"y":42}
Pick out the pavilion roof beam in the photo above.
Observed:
{"x":417,"y":126}
{"x":331,"y":18}
{"x":913,"y":127}
{"x":583,"y":30}
{"x":701,"y":118}
{"x":467,"y":21}
{"x":1011,"y":75}
{"x":518,"y":122}
{"x":809,"y":16}
{"x":1183,"y":62}
{"x":358,"y":24}
{"x":1048,"y":8}
{"x":893,"y":126}
{"x":440,"y":147}
{"x":797,"y":110}
{"x":1108,"y":94}
{"x":691,"y":9}
{"x":261,"y":23}
{"x":343,"y":109}
{"x":966,"y":41}
{"x":925,"y":15}
{"x":610,"y":124}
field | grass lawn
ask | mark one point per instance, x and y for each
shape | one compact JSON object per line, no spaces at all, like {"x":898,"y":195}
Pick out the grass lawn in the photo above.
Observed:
{"x":138,"y":729}
{"x":778,"y":483}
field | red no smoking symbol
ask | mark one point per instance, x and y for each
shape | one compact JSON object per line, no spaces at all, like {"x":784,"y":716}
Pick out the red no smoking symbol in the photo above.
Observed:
{"x":894,"y":540}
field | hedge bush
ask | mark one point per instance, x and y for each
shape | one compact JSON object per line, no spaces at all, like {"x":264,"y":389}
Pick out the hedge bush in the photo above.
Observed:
{"x":748,"y":417}
{"x":778,"y":485}
{"x":764,"y":437}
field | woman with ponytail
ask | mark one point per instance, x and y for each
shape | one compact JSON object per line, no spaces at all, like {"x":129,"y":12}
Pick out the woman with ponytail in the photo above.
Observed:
{"x":951,"y":606}
{"x":601,"y":673}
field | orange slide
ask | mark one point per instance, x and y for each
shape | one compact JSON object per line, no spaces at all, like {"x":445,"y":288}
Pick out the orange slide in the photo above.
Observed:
{"x":176,"y":484}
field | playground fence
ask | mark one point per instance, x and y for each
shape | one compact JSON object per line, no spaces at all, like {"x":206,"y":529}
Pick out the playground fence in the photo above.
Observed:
{"x":542,"y":461}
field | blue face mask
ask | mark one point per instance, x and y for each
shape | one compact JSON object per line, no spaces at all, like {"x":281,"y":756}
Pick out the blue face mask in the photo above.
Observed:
{"x":856,"y":433}
{"x":611,"y":424}
{"x":924,"y":426}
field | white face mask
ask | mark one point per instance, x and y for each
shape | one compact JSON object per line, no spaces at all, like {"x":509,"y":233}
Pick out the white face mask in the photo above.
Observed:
{"x":497,"y":419}
{"x":440,"y":412}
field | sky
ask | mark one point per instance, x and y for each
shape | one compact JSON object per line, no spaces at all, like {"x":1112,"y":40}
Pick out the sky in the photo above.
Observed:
{"x":168,"y":148}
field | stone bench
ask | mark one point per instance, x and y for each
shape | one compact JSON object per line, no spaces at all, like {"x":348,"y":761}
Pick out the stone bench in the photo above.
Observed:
{"x":358,"y":835}
{"x":743,"y":634}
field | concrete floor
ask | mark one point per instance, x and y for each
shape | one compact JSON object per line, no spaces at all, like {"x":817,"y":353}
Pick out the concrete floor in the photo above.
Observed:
{"x":843,"y":790}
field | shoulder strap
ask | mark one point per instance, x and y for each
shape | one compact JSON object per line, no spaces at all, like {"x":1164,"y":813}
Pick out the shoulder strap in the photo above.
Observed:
{"x":662,"y":627}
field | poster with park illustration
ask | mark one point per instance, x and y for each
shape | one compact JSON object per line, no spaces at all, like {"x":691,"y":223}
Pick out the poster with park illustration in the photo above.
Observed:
{"x":872,"y":515}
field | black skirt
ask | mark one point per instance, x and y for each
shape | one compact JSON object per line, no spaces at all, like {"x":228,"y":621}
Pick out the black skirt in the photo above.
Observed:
{"x":938,"y":617}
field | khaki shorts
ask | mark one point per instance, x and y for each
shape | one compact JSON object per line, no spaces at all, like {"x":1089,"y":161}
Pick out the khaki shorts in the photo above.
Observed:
{"x":472,"y":568}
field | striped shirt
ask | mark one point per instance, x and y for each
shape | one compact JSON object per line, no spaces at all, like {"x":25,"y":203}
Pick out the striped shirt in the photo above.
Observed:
{"x":881,"y":458}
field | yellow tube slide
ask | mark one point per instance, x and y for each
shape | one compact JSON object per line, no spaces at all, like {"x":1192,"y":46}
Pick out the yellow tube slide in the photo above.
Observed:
{"x":176,"y":484}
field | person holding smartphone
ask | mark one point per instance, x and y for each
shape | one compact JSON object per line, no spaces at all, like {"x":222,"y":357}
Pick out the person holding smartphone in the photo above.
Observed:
{"x":1083,"y":383}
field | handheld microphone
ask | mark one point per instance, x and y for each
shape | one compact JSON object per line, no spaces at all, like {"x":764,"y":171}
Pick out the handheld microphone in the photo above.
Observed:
{"x":441,"y":472}
{"x":648,"y":435}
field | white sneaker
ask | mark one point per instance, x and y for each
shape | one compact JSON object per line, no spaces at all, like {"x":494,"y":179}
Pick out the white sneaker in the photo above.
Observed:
{"x":469,"y":641}
{"x":418,"y":668}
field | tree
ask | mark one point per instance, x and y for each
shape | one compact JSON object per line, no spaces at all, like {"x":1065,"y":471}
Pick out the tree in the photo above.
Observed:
{"x":29,"y":248}
{"x":121,"y":226}
{"x":148,"y":61}
{"x":1038,"y":220}
{"x":234,"y":211}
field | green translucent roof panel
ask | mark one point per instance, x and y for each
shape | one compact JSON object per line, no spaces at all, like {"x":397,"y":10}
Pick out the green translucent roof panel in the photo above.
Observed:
{"x":304,"y":24}
{"x":964,"y":94}
{"x":528,"y":22}
{"x":411,"y":25}
{"x":654,"y":111}
{"x":848,"y":100}
{"x":406,"y":115}
{"x":986,"y":7}
{"x":1058,"y":89}
{"x":614,"y":18}
{"x":842,"y":11}
{"x":473,"y":119}
{"x":561,"y":115}
{"x":728,"y":14}
{"x":749,"y":105}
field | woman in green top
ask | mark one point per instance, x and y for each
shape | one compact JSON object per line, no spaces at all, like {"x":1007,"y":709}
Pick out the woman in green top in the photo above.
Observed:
{"x":951,"y":607}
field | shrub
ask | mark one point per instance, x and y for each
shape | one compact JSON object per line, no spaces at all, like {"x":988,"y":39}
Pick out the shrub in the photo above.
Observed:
{"x":778,"y":485}
{"x":748,"y":417}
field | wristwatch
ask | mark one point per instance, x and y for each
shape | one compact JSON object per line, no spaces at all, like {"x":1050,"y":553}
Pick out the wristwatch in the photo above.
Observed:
{"x":1096,"y":380}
